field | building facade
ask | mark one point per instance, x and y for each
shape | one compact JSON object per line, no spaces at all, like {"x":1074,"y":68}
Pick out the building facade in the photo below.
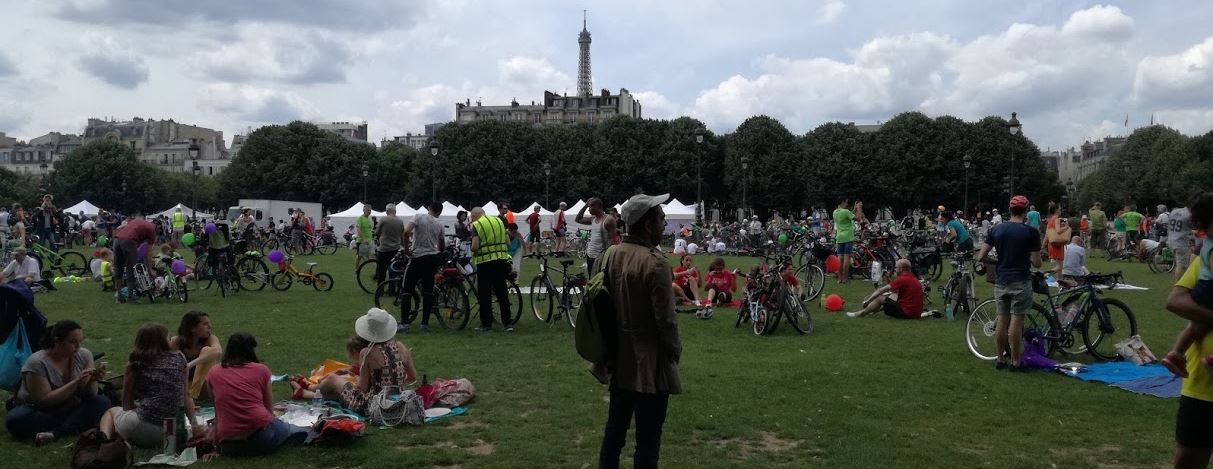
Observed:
{"x":29,"y":158}
{"x":419,"y":141}
{"x":1093,"y":156}
{"x":164,"y":144}
{"x":352,"y":131}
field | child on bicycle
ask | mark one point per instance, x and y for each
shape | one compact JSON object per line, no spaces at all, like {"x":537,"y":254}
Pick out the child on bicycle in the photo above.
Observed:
{"x":1201,"y":207}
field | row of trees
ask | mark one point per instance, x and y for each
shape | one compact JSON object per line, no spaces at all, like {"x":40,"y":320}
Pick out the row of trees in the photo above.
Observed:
{"x":912,"y":161}
{"x":1157,"y":165}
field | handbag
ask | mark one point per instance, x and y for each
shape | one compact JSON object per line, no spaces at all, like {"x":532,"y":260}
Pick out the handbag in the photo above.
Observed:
{"x":391,"y":407}
{"x":1056,"y":235}
{"x":94,"y":450}
{"x":13,"y":353}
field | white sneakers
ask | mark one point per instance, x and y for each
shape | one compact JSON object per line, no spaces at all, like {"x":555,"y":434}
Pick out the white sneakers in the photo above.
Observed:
{"x":854,"y":314}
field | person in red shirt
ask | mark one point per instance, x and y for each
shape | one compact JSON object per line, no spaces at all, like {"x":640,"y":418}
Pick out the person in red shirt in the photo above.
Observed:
{"x":901,"y":298}
{"x":687,"y":281}
{"x":127,"y":239}
{"x":244,"y":403}
{"x":720,"y":283}
{"x":532,"y":236}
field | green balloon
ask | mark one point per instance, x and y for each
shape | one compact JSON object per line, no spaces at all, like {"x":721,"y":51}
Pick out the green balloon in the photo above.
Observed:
{"x":783,"y":238}
{"x":102,"y":240}
{"x":187,"y":239}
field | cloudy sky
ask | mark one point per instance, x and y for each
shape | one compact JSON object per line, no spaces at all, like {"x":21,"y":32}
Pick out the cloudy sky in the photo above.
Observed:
{"x":1072,"y":69}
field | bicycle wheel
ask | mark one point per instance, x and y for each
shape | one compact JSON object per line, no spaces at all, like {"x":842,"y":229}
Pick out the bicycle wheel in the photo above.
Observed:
{"x":253,"y":274}
{"x":572,"y":299}
{"x":455,"y":308}
{"x":1160,"y":261}
{"x":72,"y":263}
{"x":979,"y":331}
{"x":515,"y":295}
{"x":813,"y":279}
{"x":282,"y":280}
{"x":758,"y":320}
{"x":1102,"y":332}
{"x":366,"y":276}
{"x":541,"y":299}
{"x":270,"y":245}
{"x":327,"y":247}
{"x":183,"y":290}
{"x":322,"y":282}
{"x":797,"y":314}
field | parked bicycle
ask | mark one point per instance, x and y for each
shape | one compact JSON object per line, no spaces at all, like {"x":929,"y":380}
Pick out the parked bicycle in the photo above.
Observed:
{"x":959,"y":292}
{"x":768,"y":299}
{"x":450,"y":298}
{"x":1104,"y":322}
{"x":287,"y":274}
{"x":549,"y":303}
{"x":64,"y":262}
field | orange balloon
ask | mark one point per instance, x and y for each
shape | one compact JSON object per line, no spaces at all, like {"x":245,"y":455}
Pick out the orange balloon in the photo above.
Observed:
{"x":834,"y":302}
{"x":833,"y":263}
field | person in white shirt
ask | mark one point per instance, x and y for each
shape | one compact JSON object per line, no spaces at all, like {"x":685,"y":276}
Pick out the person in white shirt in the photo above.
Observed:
{"x":996,"y":219}
{"x":23,"y":267}
{"x":1075,"y":259}
{"x":680,"y":247}
{"x":692,"y":248}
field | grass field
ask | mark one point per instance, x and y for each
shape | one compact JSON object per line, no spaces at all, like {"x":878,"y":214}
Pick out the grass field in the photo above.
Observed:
{"x":857,"y":393}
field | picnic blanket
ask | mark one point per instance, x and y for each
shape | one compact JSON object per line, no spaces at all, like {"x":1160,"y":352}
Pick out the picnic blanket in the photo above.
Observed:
{"x":1153,"y":379}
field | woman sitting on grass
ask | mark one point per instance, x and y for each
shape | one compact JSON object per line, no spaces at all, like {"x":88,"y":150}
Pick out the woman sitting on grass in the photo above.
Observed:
{"x":153,"y":389}
{"x":687,"y":281}
{"x":301,"y":389}
{"x":244,"y":403}
{"x":200,"y":347}
{"x":58,"y":394}
{"x":384,"y":363}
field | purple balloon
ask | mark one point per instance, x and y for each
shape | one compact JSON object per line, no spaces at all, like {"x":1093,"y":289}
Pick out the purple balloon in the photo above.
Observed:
{"x":276,"y":256}
{"x":209,"y":228}
{"x":178,"y":267}
{"x":142,"y":250}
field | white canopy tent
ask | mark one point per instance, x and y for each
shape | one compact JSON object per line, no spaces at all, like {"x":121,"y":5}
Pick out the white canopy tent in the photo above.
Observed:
{"x":491,"y":208}
{"x":83,"y":206}
{"x":189,"y":212}
{"x":342,"y":219}
{"x":404,"y":211}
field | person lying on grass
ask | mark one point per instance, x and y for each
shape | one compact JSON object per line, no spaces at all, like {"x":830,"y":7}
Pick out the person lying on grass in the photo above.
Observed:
{"x":302,"y":389}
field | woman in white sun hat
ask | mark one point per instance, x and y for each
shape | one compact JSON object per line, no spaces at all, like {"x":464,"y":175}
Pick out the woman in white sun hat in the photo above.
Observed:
{"x":384,"y":363}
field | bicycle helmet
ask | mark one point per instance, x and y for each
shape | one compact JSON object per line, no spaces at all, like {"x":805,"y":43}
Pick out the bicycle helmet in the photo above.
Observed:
{"x":1019,"y":201}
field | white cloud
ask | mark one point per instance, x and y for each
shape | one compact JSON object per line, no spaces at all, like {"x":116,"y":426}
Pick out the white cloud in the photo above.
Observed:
{"x":1099,"y":22}
{"x":1188,"y":121}
{"x":530,"y":73}
{"x":279,"y":54}
{"x":106,"y":58}
{"x":257,"y":105}
{"x":1182,"y":80}
{"x":656,"y":106}
{"x":830,"y":11}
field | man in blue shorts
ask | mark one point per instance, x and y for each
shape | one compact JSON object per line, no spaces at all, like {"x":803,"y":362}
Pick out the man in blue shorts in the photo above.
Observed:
{"x":1018,"y":248}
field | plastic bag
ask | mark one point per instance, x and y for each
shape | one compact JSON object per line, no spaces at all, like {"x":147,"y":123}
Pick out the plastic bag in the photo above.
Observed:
{"x":13,"y":354}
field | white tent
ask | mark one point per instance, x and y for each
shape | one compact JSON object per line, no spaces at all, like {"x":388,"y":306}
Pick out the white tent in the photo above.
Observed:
{"x":189,"y":212}
{"x":404,"y":211}
{"x":84,"y":206}
{"x":347,"y":217}
{"x":491,"y":208}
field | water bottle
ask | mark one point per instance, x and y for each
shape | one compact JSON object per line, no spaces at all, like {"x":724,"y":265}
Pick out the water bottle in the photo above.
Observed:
{"x":1071,"y":313}
{"x":317,"y":403}
{"x":180,"y":434}
{"x":949,"y":312}
{"x":1060,"y":315}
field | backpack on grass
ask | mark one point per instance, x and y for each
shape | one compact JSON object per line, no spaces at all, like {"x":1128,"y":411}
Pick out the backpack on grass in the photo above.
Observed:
{"x":596,"y":316}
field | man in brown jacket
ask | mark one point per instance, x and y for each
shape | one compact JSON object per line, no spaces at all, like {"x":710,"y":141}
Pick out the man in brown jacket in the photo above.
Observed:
{"x":645,"y":370}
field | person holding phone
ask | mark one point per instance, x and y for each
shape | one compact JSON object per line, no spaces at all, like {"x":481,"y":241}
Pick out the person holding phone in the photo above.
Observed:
{"x":58,"y":394}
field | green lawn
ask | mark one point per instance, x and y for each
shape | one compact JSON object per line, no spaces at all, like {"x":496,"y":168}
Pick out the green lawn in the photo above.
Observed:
{"x":857,"y":393}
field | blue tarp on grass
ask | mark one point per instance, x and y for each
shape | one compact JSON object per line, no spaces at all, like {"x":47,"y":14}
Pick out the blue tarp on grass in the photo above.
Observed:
{"x":1153,"y":379}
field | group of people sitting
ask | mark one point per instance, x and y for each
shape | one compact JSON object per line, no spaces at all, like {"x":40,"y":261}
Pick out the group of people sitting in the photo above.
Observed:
{"x":63,"y":389}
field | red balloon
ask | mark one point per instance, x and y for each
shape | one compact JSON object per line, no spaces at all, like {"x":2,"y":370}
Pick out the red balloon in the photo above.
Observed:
{"x":834,"y":302}
{"x":833,"y":263}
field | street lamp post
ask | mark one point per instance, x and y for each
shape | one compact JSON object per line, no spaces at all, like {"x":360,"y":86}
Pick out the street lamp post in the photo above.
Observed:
{"x":968,"y":162}
{"x":547,"y":171}
{"x":699,"y":176}
{"x":42,"y":170}
{"x":365,"y":171}
{"x":745,"y":180}
{"x":434,"y":172}
{"x":1015,"y":128}
{"x":194,"y":152}
{"x":124,"y":196}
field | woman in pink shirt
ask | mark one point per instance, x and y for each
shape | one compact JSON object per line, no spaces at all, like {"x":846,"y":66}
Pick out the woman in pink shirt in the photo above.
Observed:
{"x":244,"y":420}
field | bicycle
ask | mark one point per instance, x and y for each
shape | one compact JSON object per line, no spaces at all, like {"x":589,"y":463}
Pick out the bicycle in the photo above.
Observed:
{"x":286,"y":275}
{"x":66,"y":262}
{"x":143,"y":284}
{"x":1161,"y":260}
{"x":958,"y":291}
{"x":1104,"y":321}
{"x":221,"y":274}
{"x":549,"y":304}
{"x":512,"y":291}
{"x":175,"y":285}
{"x":767,"y":299}
{"x":252,"y":273}
{"x":450,"y":297}
{"x":365,"y":272}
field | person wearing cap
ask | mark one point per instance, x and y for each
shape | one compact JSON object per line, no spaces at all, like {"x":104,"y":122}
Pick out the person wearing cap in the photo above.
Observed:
{"x":1162,"y":221}
{"x":22,"y":268}
{"x":385,"y":363}
{"x":996,"y":219}
{"x":490,"y":253}
{"x":1018,"y":247}
{"x":644,"y":345}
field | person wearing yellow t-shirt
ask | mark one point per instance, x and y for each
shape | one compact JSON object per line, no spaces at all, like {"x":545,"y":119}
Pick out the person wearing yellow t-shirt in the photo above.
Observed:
{"x":1194,"y":420}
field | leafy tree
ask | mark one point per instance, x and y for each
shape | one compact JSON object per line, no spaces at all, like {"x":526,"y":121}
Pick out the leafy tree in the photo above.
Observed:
{"x":110,"y":175}
{"x":16,"y":188}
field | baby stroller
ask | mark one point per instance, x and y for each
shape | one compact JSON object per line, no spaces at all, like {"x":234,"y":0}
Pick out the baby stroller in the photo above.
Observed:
{"x":17,"y":307}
